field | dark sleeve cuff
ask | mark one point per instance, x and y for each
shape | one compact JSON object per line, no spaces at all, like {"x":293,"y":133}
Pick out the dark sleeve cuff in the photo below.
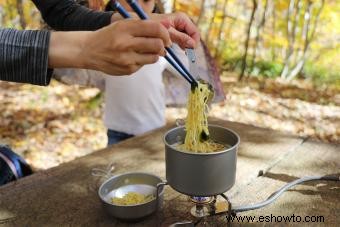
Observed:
{"x":49,"y":75}
{"x":67,"y":15}
{"x":24,"y":56}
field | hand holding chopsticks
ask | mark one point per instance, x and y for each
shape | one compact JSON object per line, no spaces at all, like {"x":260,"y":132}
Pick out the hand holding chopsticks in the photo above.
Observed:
{"x":170,"y":55}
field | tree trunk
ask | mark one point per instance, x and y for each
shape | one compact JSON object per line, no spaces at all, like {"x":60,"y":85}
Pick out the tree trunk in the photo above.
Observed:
{"x":1,"y":15}
{"x":273,"y":49}
{"x":160,"y":6}
{"x":222,"y":25}
{"x":261,"y":50}
{"x":202,"y":11}
{"x":289,"y":38}
{"x":291,"y":33}
{"x":211,"y":22}
{"x":317,"y":17}
{"x":174,"y":6}
{"x":228,"y":33}
{"x":20,"y":10}
{"x":307,"y":38}
{"x":259,"y":29}
{"x":256,"y":25}
{"x":246,"y":44}
{"x":304,"y":36}
{"x":296,"y":50}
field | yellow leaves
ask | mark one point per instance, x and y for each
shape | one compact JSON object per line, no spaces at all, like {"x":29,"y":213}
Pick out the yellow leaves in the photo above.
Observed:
{"x":218,"y":17}
{"x":32,"y":15}
{"x":67,"y":149}
{"x":275,"y":40}
{"x":10,"y":17}
{"x":188,"y":7}
{"x":281,"y":5}
{"x":51,"y":131}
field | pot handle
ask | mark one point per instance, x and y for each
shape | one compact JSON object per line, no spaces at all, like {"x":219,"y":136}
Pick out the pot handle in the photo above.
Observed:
{"x":159,"y":187}
{"x":106,"y":173}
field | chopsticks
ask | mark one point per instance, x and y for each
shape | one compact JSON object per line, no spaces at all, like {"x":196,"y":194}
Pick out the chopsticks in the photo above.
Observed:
{"x":174,"y":61}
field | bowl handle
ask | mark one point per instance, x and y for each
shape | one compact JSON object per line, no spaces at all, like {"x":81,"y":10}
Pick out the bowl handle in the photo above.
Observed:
{"x":159,"y":187}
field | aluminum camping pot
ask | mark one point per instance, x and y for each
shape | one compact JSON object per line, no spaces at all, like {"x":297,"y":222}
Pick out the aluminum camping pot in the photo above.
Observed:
{"x":201,"y":174}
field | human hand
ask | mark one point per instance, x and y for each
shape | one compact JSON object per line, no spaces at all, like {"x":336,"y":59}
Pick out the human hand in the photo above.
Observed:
{"x":96,"y":4}
{"x":119,"y":49}
{"x":182,"y":30}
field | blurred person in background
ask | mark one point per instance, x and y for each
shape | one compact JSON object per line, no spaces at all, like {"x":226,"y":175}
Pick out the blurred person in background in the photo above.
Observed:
{"x":119,"y":48}
{"x":134,"y":104}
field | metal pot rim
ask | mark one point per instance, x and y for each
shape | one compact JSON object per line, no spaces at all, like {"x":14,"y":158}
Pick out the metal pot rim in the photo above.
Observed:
{"x":211,"y":153}
{"x":128,"y":173}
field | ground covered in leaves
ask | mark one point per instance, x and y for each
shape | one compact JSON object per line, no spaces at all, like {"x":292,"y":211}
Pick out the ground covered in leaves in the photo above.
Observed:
{"x":55,"y":124}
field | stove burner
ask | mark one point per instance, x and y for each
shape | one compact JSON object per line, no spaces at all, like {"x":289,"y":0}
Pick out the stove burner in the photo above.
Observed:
{"x":200,"y":210}
{"x":201,"y":200}
{"x":207,"y":206}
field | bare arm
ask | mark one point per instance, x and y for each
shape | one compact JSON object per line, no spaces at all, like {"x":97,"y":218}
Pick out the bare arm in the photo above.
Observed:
{"x":26,"y":56}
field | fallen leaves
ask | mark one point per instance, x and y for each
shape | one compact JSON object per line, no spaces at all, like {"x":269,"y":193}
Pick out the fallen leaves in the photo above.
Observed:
{"x":277,"y":105}
{"x":55,"y":124}
{"x":50,"y":125}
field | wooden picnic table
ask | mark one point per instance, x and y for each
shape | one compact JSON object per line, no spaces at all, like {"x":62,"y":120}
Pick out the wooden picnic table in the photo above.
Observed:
{"x":67,"y":195}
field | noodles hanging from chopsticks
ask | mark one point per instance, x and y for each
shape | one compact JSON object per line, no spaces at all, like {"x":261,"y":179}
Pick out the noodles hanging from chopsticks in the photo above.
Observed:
{"x":196,"y":125}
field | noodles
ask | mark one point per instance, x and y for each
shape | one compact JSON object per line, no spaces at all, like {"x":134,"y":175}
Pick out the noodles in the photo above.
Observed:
{"x":197,"y":133}
{"x":131,"y":198}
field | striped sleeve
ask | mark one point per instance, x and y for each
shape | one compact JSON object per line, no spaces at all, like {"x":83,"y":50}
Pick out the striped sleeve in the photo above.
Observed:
{"x":24,"y":56}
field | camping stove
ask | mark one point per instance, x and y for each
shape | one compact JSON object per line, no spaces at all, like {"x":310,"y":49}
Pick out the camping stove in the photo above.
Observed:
{"x":200,"y":209}
{"x":206,"y":206}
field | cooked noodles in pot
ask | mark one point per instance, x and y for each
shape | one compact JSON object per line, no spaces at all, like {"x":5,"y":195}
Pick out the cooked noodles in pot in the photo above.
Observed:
{"x":196,"y":125}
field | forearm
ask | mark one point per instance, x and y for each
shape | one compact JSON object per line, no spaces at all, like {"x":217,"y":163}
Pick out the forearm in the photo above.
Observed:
{"x":67,"y":15}
{"x":24,"y":56}
{"x":65,"y":50}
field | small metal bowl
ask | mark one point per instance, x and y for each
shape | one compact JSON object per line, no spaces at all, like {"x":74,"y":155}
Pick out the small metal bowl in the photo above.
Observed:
{"x":119,"y":185}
